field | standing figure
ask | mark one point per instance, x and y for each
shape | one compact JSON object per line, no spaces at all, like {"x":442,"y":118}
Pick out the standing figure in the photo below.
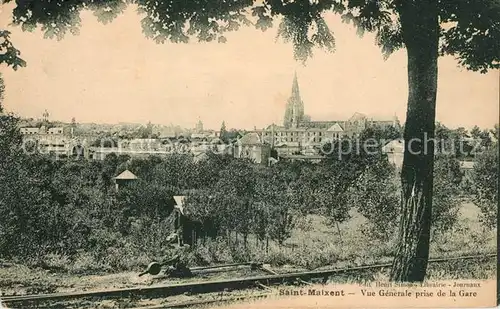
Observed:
{"x":175,"y":264}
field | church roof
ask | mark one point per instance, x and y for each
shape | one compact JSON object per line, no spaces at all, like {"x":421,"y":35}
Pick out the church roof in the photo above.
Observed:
{"x":250,"y":139}
{"x":383,"y":118}
{"x":126,"y":175}
{"x":320,"y":124}
{"x":275,"y":126}
{"x":357,"y":116}
{"x":335,"y":128}
{"x":295,"y":86}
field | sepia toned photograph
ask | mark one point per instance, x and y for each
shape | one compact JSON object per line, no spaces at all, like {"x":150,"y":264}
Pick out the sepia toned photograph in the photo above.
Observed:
{"x":249,"y":153}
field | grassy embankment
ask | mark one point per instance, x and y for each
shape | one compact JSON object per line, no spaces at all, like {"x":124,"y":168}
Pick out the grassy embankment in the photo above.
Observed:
{"x":317,"y":245}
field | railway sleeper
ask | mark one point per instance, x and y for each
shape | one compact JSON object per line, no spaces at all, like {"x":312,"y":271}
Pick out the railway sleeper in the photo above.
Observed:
{"x":299,"y":280}
{"x":265,"y":287}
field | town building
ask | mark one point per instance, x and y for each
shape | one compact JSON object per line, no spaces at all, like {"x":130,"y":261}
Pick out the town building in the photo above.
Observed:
{"x":395,"y":152}
{"x":29,"y":131}
{"x":55,"y":131}
{"x":250,"y":146}
{"x":124,"y":179}
{"x":303,"y":158}
{"x":43,"y":130}
{"x":141,"y":144}
{"x":52,"y":140}
{"x":294,"y":112}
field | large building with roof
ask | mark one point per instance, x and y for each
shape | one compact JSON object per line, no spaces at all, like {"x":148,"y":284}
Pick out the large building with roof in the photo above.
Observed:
{"x":251,"y":146}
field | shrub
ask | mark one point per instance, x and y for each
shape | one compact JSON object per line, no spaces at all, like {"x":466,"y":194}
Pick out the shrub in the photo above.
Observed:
{"x":446,"y":193}
{"x":376,"y":196}
{"x":485,"y":185}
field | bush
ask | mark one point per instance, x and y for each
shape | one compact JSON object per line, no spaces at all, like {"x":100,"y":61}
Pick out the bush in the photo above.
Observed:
{"x":64,"y":214}
{"x":376,"y":196}
{"x":446,"y":193}
{"x":485,"y":185}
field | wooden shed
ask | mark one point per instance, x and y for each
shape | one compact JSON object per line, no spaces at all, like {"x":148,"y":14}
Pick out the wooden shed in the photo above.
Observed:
{"x":189,"y":230}
{"x":124,"y":179}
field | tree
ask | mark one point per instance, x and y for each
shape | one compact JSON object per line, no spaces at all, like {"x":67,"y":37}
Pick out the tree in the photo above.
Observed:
{"x":176,"y":170}
{"x":9,"y":55}
{"x":208,"y":171}
{"x":486,"y":141}
{"x":444,"y":139}
{"x":105,"y":142}
{"x":391,"y":132}
{"x":235,"y":195}
{"x":327,"y":184}
{"x":496,"y":132}
{"x":481,"y":136}
{"x":375,"y":197}
{"x":35,"y":214}
{"x":10,"y":139}
{"x":200,"y":207}
{"x":2,"y":92}
{"x":485,"y":185}
{"x":466,"y":29}
{"x":146,"y":198}
{"x":475,"y":132}
{"x":461,"y":146}
{"x":446,"y":190}
{"x":274,"y":216}
{"x":223,"y":132}
{"x":145,"y":131}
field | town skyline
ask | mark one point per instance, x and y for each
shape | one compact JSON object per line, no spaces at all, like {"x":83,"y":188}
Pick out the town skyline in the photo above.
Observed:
{"x":111,"y":74}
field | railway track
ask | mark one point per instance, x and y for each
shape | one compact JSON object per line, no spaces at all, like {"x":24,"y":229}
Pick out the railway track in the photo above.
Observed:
{"x":187,"y":304}
{"x":162,"y":291}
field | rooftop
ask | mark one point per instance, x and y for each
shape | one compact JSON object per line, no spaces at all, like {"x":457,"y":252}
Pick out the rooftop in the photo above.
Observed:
{"x":250,"y":139}
{"x":126,"y":175}
{"x":335,"y":128}
{"x":466,"y":165}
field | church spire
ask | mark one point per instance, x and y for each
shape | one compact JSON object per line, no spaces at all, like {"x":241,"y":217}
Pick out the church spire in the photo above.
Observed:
{"x":295,"y":86}
{"x":294,"y":112}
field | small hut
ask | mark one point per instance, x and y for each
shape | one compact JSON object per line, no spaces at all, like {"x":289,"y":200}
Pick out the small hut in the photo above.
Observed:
{"x":124,"y":179}
{"x":188,"y":230}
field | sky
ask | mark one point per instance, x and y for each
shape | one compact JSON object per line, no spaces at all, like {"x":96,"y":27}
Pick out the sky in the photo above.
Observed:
{"x":112,"y":73}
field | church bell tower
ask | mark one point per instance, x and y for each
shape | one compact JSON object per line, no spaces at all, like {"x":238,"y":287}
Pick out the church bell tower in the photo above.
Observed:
{"x":294,"y":113}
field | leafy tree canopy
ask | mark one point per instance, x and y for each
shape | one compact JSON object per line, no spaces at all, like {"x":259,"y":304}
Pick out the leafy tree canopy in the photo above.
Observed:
{"x":2,"y":92}
{"x":485,"y":185}
{"x":470,"y":29}
{"x":466,"y":29}
{"x":8,"y":53}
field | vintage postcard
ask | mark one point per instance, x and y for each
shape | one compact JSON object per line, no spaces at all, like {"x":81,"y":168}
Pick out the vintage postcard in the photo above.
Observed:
{"x":249,"y":153}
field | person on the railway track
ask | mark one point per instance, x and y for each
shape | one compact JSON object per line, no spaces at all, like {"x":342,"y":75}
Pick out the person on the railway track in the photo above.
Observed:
{"x":179,"y":260}
{"x":174,"y":264}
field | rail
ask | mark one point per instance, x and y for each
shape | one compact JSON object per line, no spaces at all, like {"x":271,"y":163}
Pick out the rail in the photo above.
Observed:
{"x":211,"y":286}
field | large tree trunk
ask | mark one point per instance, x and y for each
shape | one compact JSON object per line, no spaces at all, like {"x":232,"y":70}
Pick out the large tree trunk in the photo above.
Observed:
{"x":419,"y":20}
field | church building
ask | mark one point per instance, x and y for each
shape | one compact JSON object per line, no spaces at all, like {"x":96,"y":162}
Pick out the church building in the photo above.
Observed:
{"x":299,"y":132}
{"x":294,"y":112}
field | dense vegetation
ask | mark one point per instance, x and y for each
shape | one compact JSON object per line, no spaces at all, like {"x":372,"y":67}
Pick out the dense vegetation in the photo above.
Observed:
{"x":69,"y":210}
